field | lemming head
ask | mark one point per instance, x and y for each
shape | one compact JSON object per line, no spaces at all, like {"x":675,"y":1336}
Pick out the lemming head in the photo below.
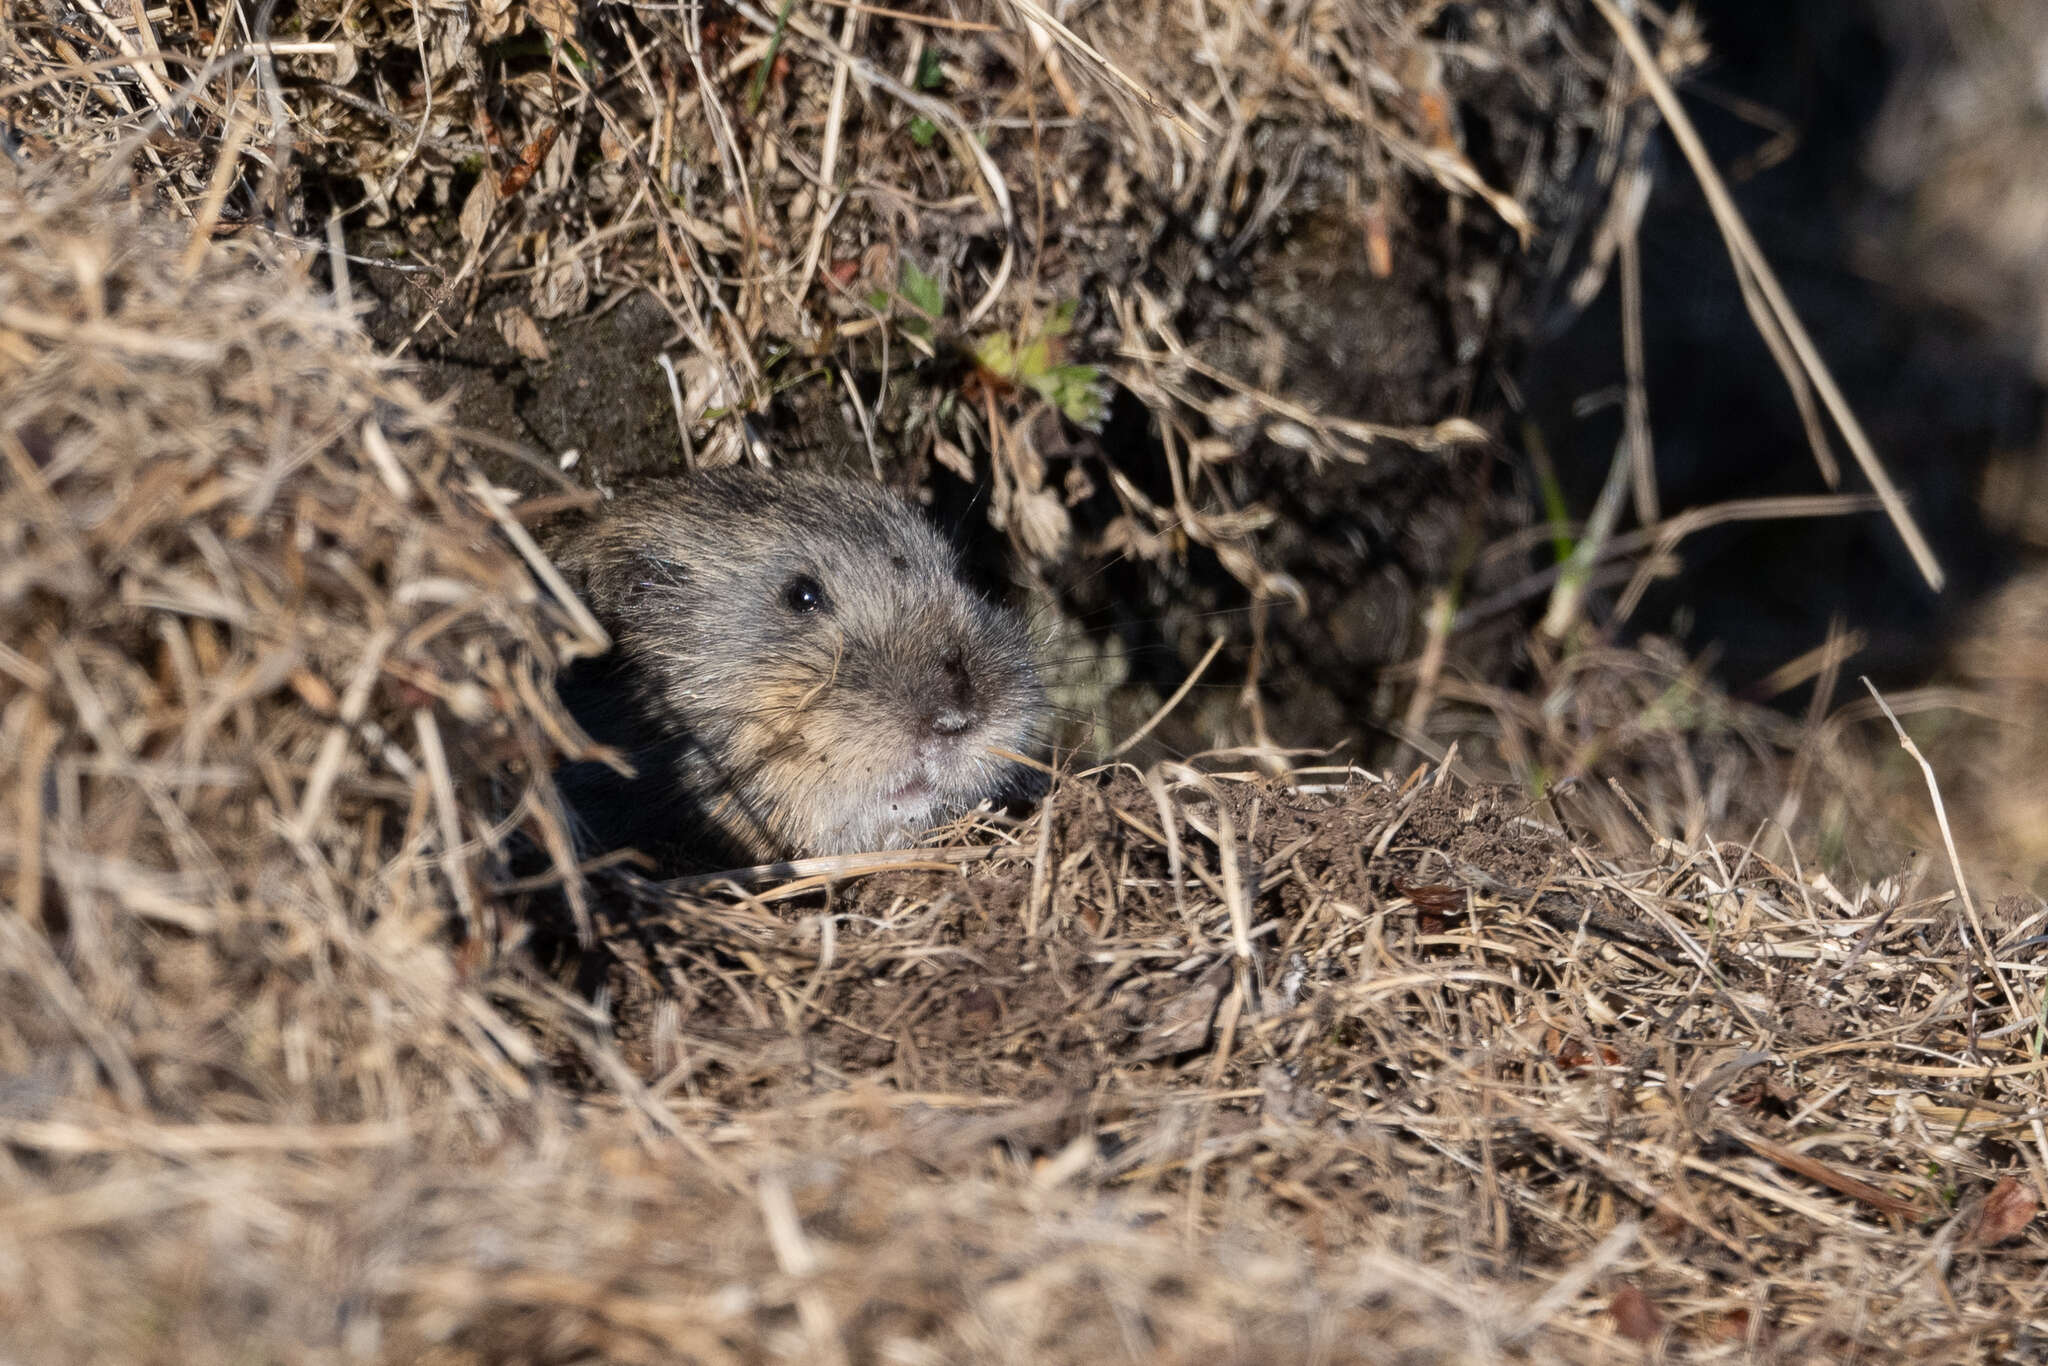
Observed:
{"x":832,"y":681}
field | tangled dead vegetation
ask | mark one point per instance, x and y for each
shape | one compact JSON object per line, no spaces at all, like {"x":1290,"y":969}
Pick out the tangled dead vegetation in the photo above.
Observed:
{"x":1200,"y":1064}
{"x":1192,"y":306}
{"x":272,"y":708}
{"x":1158,"y":293}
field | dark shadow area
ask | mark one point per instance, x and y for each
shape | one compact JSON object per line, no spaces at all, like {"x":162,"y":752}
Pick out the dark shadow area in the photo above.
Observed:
{"x":1933,"y":390}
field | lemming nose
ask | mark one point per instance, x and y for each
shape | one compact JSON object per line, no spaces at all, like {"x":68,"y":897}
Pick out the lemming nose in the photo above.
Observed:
{"x":955,"y":713}
{"x":962,"y":682}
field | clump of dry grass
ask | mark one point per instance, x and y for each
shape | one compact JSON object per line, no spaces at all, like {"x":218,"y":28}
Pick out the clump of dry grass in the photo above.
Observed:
{"x":1195,"y":1066}
{"x":273,"y":705}
{"x":1689,"y":1097}
{"x":770,"y":172}
{"x":264,"y":648}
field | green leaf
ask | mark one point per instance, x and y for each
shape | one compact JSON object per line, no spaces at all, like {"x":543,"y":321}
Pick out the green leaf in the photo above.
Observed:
{"x":930,"y":75}
{"x":1061,"y":321}
{"x":996,"y":355}
{"x":923,"y":130}
{"x":923,"y":295}
{"x":759,"y":86}
{"x":1035,"y":359}
{"x":923,"y":292}
{"x":574,"y":51}
{"x":1078,"y":391}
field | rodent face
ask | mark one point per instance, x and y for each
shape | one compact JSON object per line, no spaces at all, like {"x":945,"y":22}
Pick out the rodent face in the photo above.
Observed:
{"x":833,"y":683}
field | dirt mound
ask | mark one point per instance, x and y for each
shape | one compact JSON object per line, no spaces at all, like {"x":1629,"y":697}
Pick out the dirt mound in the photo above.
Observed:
{"x":274,"y":702}
{"x":1194,"y":1066}
{"x":306,"y":1053}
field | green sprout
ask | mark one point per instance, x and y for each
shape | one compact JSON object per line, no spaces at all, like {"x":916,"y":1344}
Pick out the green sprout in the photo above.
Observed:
{"x":758,"y":88}
{"x":1033,"y":362}
{"x":1029,"y":359}
{"x":923,"y":293}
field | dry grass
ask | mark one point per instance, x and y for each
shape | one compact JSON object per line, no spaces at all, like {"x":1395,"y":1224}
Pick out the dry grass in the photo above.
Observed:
{"x":1195,"y":1065}
{"x":766,"y":175}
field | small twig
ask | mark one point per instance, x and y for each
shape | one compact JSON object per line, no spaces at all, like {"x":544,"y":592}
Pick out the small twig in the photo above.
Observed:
{"x":148,"y":61}
{"x":596,"y":640}
{"x":208,"y":215}
{"x":826,"y":867}
{"x":419,"y":21}
{"x":828,"y":160}
{"x":275,"y":180}
{"x":925,"y":20}
{"x":448,"y":812}
{"x":1037,"y":14}
{"x":1817,"y":1171}
{"x":867,"y":426}
{"x":333,"y":746}
{"x":1636,"y":404}
{"x":1166,"y":708}
{"x":1955,"y":863}
{"x":675,"y":395}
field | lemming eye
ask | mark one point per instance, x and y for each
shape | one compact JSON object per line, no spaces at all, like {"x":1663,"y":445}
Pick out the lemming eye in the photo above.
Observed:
{"x":803,"y":594}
